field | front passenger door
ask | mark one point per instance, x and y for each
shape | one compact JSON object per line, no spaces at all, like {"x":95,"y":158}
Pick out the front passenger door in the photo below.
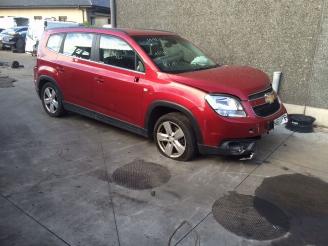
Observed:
{"x":121,"y":74}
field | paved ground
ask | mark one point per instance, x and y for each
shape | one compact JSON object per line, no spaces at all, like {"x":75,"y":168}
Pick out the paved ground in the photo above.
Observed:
{"x":58,"y":184}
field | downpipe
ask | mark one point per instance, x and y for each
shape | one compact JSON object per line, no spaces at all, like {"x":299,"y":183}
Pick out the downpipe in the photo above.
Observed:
{"x":113,"y":13}
{"x":276,"y":81}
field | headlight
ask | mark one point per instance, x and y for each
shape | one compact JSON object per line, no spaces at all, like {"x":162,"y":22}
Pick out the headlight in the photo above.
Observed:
{"x":225,"y":105}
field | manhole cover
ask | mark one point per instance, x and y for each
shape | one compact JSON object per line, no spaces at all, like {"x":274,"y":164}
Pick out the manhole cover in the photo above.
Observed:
{"x":140,"y":175}
{"x":250,"y":217}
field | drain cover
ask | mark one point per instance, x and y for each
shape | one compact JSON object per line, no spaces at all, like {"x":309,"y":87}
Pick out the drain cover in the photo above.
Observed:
{"x":250,"y":217}
{"x":140,"y":175}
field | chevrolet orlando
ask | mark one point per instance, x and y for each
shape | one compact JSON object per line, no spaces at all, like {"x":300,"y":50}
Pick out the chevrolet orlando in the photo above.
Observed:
{"x":158,"y":85}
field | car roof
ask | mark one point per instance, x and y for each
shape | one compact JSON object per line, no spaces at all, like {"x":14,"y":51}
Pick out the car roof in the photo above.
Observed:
{"x":127,"y":31}
{"x":144,"y":32}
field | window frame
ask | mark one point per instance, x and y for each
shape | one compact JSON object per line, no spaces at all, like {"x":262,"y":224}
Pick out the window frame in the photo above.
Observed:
{"x":92,"y":55}
{"x":60,"y":45}
{"x":97,"y":54}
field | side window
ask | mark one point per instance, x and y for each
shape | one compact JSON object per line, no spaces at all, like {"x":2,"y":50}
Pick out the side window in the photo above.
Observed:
{"x":116,"y":52}
{"x":78,"y":45}
{"x":54,"y":42}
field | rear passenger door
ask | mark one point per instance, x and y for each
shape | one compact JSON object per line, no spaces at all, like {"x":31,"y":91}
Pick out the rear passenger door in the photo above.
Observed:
{"x":121,"y":73}
{"x":75,"y":68}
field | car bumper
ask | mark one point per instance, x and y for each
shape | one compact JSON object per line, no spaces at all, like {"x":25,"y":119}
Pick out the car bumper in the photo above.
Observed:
{"x":235,"y":136}
{"x":7,"y":44}
{"x":236,"y":147}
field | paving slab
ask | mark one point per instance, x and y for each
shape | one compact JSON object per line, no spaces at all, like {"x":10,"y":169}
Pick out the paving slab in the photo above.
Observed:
{"x":305,"y":150}
{"x":78,"y":209}
{"x":17,"y":228}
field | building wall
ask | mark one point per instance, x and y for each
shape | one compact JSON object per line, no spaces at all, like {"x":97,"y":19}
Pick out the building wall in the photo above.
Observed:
{"x":319,"y":80}
{"x":72,"y":14}
{"x":273,"y":35}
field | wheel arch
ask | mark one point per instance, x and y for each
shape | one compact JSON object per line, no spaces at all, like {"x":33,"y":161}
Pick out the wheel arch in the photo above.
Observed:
{"x":42,"y":80}
{"x":159,"y":108}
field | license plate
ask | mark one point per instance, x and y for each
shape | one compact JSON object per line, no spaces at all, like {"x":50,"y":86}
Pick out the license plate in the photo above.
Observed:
{"x":281,"y":120}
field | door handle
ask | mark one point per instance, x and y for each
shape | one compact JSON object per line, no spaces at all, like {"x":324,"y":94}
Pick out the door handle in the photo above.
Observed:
{"x":99,"y":79}
{"x":136,"y":79}
{"x":60,"y":69}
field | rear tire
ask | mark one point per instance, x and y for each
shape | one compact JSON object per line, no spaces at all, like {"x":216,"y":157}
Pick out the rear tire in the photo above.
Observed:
{"x":20,"y":46}
{"x":51,"y":98}
{"x":174,"y":137}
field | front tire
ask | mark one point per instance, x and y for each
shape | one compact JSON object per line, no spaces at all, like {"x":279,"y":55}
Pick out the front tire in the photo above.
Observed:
{"x":174,"y":137}
{"x":52,"y":100}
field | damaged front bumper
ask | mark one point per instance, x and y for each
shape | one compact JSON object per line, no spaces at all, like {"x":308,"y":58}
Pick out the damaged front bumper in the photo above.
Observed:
{"x":236,"y":147}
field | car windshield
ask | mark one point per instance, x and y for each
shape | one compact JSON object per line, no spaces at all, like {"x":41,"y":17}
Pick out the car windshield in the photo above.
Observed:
{"x":173,"y":54}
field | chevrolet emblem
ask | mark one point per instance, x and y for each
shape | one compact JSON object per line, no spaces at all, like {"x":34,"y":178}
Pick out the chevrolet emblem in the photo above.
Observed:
{"x":270,"y":97}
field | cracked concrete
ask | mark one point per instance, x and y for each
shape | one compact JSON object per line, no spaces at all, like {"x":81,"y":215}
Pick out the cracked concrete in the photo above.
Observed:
{"x":56,"y":186}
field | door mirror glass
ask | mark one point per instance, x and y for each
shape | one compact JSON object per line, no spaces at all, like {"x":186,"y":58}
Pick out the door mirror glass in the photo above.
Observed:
{"x":140,"y":66}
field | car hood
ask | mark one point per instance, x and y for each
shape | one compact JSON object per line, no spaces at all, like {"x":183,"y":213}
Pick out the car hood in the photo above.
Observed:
{"x":240,"y":81}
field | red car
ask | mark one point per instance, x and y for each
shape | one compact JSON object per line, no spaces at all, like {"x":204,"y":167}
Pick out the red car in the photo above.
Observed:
{"x":158,"y":85}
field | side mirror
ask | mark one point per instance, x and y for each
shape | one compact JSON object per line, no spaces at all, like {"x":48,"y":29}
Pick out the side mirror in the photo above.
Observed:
{"x":140,"y":67}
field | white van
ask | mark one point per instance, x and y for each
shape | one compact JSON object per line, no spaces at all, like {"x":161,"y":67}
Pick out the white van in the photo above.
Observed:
{"x":36,"y":28}
{"x":11,"y":22}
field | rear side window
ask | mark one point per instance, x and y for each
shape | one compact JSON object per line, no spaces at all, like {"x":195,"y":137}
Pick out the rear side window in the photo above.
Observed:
{"x":116,"y":52}
{"x":78,"y":45}
{"x":54,"y":42}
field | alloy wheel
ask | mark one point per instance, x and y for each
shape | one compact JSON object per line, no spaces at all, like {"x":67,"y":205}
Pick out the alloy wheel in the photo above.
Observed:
{"x":171,"y":139}
{"x":50,"y":100}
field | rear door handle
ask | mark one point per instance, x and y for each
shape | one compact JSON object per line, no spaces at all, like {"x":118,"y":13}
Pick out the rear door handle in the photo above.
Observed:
{"x":136,"y":79}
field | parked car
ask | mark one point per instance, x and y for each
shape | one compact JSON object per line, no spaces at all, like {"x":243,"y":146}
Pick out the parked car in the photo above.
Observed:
{"x":14,"y":38}
{"x":158,"y":85}
{"x":36,"y":29}
{"x":1,"y":36}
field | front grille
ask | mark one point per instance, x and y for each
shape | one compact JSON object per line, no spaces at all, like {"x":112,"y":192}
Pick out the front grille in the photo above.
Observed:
{"x":267,"y":109}
{"x":260,"y":94}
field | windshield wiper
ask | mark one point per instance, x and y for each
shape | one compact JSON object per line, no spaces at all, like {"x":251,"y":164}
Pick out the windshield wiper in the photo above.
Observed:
{"x":190,"y":70}
{"x":204,"y":68}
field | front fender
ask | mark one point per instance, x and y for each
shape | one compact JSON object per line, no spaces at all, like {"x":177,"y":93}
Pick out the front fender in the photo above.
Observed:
{"x":167,"y":104}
